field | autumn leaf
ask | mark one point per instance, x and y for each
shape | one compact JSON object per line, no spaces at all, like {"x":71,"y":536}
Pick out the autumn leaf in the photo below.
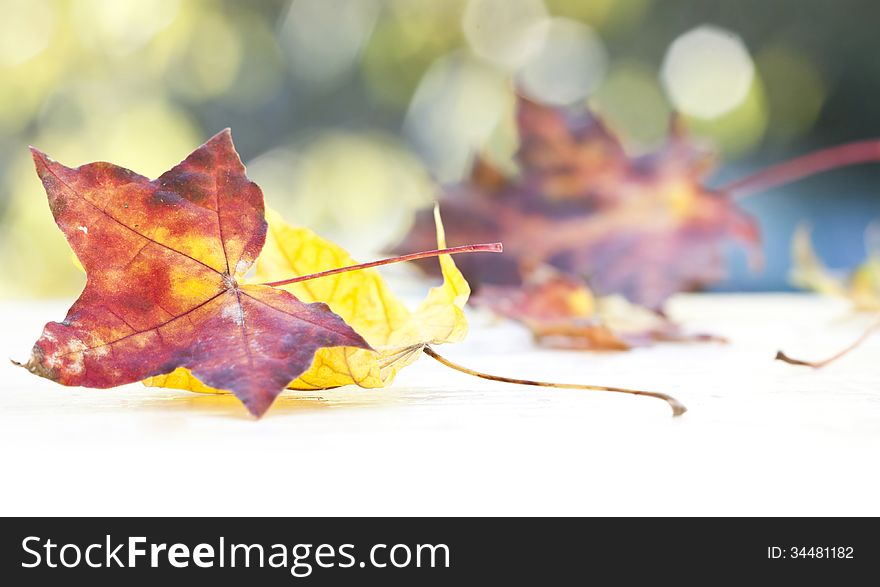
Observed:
{"x":165,"y":263}
{"x":561,"y":312}
{"x":364,"y":301}
{"x":861,"y":286}
{"x":644,"y":227}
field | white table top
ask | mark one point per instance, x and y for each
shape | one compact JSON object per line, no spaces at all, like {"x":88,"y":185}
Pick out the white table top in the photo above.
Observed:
{"x":760,"y":438}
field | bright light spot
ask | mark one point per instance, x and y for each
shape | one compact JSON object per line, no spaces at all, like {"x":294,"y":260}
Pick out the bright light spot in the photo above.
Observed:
{"x":795,"y":90}
{"x":122,"y":26}
{"x":24,"y":88}
{"x":146,"y":136}
{"x":632,"y":102}
{"x":456,"y":108}
{"x":279,"y":172}
{"x":212,"y":59}
{"x":740,"y":129}
{"x":324,"y":39}
{"x":149,"y":137}
{"x":505,"y":32}
{"x":707,"y":72}
{"x":359,"y":190}
{"x":26,"y":27}
{"x":569,"y":65}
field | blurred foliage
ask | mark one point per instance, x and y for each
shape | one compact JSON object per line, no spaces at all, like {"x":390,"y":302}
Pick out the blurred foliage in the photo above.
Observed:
{"x":348,"y":111}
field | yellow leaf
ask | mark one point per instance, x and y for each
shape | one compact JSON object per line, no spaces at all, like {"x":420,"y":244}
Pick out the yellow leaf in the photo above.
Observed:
{"x":862,"y":287}
{"x":363,"y":300}
{"x":865,"y":284}
{"x":808,"y":271}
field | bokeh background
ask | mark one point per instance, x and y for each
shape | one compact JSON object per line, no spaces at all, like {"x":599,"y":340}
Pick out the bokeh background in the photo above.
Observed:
{"x":349,"y":113}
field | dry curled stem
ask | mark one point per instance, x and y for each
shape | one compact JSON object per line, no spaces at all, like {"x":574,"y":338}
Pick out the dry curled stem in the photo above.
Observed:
{"x":873,"y":327}
{"x":677,"y":407}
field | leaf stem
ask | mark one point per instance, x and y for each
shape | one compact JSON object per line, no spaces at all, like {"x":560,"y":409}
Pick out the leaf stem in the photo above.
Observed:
{"x":480,"y":248}
{"x":800,"y":167}
{"x":677,"y":407}
{"x":873,"y":327}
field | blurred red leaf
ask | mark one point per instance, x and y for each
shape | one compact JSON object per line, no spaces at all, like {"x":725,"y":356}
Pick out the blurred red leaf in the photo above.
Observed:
{"x":642,"y":226}
{"x":561,"y":312}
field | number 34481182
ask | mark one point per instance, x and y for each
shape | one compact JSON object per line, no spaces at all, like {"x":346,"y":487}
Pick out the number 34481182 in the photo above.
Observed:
{"x":780,"y":552}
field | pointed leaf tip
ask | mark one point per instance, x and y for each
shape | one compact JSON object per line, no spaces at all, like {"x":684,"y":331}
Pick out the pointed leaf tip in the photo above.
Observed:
{"x":226,"y":133}
{"x":37,"y":153}
{"x":41,"y":160}
{"x":224,"y":137}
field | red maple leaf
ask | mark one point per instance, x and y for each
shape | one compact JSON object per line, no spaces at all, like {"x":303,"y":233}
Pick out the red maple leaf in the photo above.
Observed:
{"x":164,"y":261}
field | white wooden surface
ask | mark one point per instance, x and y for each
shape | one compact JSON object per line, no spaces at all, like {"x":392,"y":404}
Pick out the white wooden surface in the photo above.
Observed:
{"x":760,"y":437}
